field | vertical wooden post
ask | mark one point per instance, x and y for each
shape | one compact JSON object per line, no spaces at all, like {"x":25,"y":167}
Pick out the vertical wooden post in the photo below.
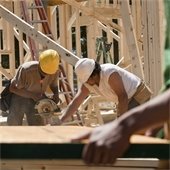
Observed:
{"x":152,"y":44}
{"x":131,"y":38}
{"x":78,"y":37}
{"x":91,"y":38}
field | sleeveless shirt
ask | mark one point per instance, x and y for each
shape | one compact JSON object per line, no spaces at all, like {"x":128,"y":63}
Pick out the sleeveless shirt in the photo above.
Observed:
{"x":130,"y":82}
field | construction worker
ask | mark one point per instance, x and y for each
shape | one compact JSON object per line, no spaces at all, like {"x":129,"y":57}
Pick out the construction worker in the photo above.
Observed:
{"x":29,"y":86}
{"x":110,"y":141}
{"x":111,"y":82}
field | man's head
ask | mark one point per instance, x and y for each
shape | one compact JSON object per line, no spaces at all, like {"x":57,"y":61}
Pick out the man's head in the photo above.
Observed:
{"x":49,"y":61}
{"x":87,"y":68}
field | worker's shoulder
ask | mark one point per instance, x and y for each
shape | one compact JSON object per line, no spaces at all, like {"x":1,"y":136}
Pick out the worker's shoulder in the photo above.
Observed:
{"x":30,"y":65}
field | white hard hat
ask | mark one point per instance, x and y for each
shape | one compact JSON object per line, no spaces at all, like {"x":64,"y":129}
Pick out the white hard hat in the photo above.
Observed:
{"x":84,"y":68}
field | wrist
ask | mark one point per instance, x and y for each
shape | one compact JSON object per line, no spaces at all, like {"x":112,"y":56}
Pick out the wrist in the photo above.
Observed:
{"x":55,"y":95}
{"x":128,"y":124}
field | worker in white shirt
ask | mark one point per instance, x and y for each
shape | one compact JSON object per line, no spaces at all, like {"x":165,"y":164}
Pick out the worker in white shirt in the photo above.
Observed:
{"x":111,"y":82}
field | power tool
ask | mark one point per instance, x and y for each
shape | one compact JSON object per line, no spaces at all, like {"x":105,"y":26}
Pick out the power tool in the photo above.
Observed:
{"x":49,"y":110}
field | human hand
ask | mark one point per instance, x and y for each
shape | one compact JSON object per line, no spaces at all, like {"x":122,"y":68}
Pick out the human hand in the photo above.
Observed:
{"x":56,"y":98}
{"x":56,"y":121}
{"x":106,"y":143}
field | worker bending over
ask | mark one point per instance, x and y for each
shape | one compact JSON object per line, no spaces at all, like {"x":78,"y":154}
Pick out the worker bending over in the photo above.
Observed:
{"x":29,"y":85}
{"x":111,"y":82}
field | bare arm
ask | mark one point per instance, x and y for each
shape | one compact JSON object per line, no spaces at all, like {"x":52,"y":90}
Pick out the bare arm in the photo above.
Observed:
{"x":110,"y":141}
{"x":116,"y":84}
{"x":54,"y":89}
{"x":152,"y":113}
{"x":75,"y":103}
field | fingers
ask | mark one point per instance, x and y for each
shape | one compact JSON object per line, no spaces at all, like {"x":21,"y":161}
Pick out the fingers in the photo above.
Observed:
{"x":82,"y":137}
{"x":98,"y":155}
{"x":87,"y":154}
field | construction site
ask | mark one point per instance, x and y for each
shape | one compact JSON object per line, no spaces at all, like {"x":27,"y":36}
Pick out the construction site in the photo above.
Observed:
{"x":126,"y":33}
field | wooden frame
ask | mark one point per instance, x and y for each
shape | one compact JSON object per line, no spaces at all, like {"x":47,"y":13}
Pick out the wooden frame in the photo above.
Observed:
{"x":135,"y":48}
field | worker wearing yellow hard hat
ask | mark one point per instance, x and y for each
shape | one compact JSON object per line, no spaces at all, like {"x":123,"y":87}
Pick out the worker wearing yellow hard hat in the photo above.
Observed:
{"x":49,"y":61}
{"x":29,"y":85}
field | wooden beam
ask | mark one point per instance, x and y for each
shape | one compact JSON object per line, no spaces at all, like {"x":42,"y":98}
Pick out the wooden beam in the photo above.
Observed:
{"x":78,"y":164}
{"x":48,"y":2}
{"x":5,"y":73}
{"x":58,"y":2}
{"x":153,"y":44}
{"x":37,"y":35}
{"x":49,"y":147}
{"x":91,"y":12}
{"x":53,"y":142}
{"x":131,"y":38}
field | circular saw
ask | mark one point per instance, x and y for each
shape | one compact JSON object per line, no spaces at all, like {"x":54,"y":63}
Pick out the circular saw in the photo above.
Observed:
{"x":46,"y":107}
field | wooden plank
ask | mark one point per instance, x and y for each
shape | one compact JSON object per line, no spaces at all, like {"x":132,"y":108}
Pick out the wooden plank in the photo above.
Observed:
{"x":152,"y":44}
{"x":49,"y":148}
{"x":53,"y":142}
{"x":48,"y":2}
{"x":90,"y":12}
{"x":36,"y":35}
{"x":44,"y":134}
{"x":131,"y":38}
{"x":56,"y":134}
{"x":78,"y":34}
{"x":5,"y":73}
{"x":157,"y":43}
{"x":59,"y":2}
{"x":91,"y":39}
{"x":111,"y":33}
{"x":145,"y":41}
{"x":121,"y":164}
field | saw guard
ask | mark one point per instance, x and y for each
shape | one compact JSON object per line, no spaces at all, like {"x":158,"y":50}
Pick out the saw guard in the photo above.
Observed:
{"x":46,"y":106}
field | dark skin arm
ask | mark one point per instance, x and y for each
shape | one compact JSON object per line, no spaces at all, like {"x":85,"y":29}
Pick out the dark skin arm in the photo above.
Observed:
{"x":75,"y":103}
{"x":54,"y":89}
{"x":116,"y":83}
{"x":110,"y":141}
{"x":53,"y":86}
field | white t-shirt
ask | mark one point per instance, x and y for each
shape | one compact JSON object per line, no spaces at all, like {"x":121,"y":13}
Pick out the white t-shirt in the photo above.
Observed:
{"x":130,"y":81}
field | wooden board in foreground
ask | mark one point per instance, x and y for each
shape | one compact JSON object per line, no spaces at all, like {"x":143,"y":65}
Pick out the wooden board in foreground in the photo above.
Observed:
{"x":49,"y":148}
{"x":55,"y":134}
{"x":121,"y":164}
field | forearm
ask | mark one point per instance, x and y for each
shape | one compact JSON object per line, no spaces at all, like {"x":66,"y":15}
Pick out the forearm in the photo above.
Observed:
{"x":122,"y":106}
{"x":55,"y":90}
{"x":71,"y":109}
{"x":55,"y":96}
{"x":75,"y":103}
{"x":150,"y":114}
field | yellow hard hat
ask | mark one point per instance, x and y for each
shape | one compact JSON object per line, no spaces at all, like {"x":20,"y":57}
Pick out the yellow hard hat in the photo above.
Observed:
{"x":49,"y":61}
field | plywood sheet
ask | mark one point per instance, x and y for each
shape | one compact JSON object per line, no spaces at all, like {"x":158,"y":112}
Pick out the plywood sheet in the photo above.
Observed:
{"x":39,"y":134}
{"x":55,"y":134}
